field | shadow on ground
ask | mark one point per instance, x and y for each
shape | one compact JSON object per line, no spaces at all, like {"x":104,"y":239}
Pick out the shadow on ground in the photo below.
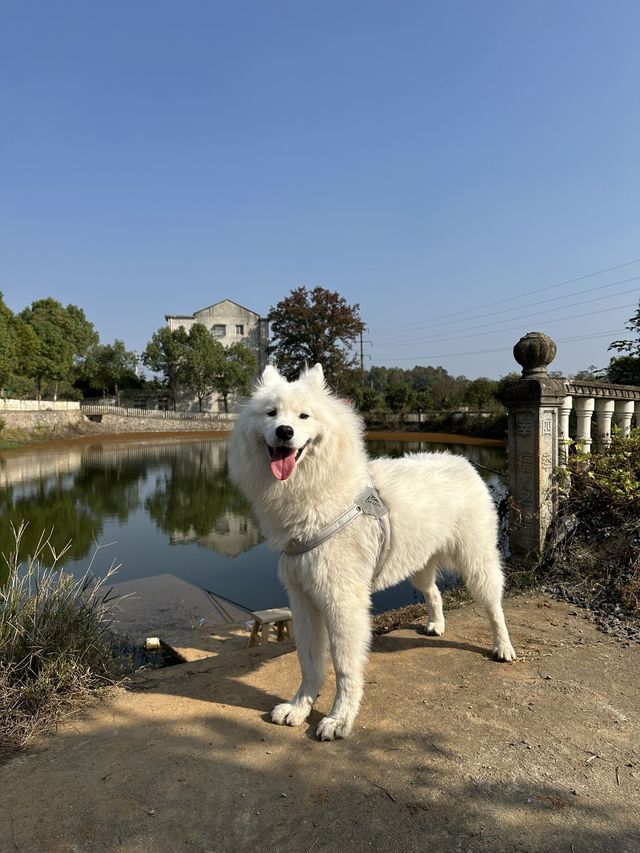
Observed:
{"x":451,"y":752}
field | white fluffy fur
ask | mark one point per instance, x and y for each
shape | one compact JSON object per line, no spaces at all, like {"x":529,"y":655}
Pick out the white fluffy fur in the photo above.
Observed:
{"x":441,"y":514}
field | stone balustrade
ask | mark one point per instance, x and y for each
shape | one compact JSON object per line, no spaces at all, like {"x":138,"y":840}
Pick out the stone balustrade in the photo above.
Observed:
{"x":612,"y":404}
{"x":540,"y":438}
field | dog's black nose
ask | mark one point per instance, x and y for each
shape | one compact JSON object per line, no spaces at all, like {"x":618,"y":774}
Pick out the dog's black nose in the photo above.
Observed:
{"x":284,"y":432}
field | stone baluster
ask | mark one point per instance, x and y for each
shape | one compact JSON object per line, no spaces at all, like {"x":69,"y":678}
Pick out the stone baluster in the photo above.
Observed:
{"x":584,"y":407}
{"x":604,"y":411}
{"x":564,"y":439}
{"x":624,"y":413}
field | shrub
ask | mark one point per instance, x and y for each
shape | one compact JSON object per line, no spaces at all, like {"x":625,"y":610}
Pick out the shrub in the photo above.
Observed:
{"x":595,"y":547}
{"x":55,"y":640}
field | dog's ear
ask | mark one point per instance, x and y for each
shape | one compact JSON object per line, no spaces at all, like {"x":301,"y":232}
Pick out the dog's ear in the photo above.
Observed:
{"x":314,"y":375}
{"x":269,"y":375}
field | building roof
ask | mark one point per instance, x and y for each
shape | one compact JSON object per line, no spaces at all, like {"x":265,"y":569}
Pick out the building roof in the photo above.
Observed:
{"x":208,"y":308}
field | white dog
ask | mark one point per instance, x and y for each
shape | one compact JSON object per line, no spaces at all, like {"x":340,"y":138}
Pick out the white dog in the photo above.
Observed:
{"x":298,"y":454}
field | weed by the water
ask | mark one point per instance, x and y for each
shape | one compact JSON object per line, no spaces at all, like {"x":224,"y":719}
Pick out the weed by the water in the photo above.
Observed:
{"x":56,"y":645}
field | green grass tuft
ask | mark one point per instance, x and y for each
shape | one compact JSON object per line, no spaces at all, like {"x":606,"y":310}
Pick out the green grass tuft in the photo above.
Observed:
{"x":56,"y":643}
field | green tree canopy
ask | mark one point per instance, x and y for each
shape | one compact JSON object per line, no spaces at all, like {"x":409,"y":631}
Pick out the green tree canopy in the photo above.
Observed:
{"x":630,"y":345}
{"x":107,"y":366}
{"x":625,"y":369}
{"x":166,"y":354}
{"x":236,"y":371}
{"x":7,"y":345}
{"x":310,"y":326}
{"x":63,"y":336}
{"x":203,"y":362}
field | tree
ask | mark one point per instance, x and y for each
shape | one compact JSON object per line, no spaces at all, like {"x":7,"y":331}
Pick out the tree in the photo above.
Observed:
{"x":480,"y":394}
{"x":625,"y":370}
{"x":109,"y":365}
{"x":63,"y":338}
{"x":166,"y":354}
{"x":7,"y":345}
{"x":629,"y":345}
{"x":589,"y":374}
{"x":236,"y":370}
{"x":203,"y":362}
{"x":399,"y":397}
{"x":314,"y":326}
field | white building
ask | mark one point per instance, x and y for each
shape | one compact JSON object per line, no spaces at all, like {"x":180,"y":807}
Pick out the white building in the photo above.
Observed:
{"x":229,"y":323}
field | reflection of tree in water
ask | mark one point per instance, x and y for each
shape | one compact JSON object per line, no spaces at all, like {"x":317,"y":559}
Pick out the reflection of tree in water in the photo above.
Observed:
{"x":73,"y":506}
{"x":196,"y":495}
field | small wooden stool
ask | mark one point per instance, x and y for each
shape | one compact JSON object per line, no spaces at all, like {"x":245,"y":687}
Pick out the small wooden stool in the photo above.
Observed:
{"x":280,"y":617}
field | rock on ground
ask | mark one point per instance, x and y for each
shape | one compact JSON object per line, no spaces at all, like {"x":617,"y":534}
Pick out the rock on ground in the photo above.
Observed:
{"x":451,"y":752}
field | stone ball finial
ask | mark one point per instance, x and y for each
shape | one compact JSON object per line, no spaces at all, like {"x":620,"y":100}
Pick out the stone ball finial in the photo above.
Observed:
{"x":534,"y":352}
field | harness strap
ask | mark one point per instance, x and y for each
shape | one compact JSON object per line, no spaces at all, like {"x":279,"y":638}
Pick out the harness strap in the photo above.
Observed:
{"x":367,"y":502}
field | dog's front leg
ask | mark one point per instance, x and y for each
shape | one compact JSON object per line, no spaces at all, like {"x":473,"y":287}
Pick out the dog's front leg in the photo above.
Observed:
{"x":311,"y":642}
{"x":349,"y":627}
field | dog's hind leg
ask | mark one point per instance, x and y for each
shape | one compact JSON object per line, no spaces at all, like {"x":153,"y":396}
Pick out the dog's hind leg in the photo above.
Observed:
{"x":484,"y":579}
{"x":425,"y":581}
{"x":311,"y":642}
{"x":349,"y":627}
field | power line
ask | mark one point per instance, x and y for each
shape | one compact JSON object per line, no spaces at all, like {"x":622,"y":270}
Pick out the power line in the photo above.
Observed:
{"x":471,"y":333}
{"x":538,"y":302}
{"x":518,"y":296}
{"x":506,"y":348}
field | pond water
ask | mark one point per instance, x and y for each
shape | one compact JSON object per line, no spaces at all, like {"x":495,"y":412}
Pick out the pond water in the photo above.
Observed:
{"x":166,"y":506}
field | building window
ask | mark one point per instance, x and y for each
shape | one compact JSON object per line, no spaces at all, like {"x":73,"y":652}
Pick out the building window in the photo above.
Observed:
{"x":219,"y":330}
{"x":240,"y":330}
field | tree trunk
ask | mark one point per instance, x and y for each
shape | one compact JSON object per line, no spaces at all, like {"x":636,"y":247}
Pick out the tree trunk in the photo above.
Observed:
{"x":117,"y":393}
{"x":55,"y":391}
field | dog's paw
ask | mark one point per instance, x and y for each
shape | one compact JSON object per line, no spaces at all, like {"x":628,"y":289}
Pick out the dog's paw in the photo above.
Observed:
{"x":332,"y":728}
{"x":287,"y":714}
{"x":504,"y":652}
{"x":434,"y":629}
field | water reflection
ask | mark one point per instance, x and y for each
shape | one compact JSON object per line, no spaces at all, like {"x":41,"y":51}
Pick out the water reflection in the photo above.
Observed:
{"x":194,"y":501}
{"x":148,"y":497}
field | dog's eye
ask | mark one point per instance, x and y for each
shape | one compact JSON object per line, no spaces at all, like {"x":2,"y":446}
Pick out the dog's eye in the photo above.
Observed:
{"x":272,"y":413}
{"x":303,"y":416}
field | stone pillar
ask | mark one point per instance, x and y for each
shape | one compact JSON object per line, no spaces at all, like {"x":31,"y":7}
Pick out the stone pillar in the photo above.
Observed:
{"x":584,"y":407}
{"x":533,"y":403}
{"x":564,"y":439}
{"x":604,"y":410}
{"x":624,"y":413}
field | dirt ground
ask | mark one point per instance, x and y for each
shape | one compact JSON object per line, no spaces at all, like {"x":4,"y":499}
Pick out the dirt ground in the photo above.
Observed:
{"x":451,"y":752}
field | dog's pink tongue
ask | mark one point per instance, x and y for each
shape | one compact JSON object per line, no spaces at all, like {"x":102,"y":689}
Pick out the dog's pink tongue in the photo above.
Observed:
{"x":283,"y":462}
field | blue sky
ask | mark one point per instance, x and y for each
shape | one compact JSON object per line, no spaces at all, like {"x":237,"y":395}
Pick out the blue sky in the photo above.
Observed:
{"x":428,"y":160}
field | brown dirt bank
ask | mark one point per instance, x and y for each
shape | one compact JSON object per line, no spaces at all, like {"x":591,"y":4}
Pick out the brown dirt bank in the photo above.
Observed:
{"x":444,"y":437}
{"x":451,"y":752}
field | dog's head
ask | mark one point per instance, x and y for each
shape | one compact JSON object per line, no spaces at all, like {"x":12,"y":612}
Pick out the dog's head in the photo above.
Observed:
{"x":290,"y":417}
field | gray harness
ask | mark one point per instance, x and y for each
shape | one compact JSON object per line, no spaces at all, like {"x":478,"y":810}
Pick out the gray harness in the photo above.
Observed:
{"x":367,"y":502}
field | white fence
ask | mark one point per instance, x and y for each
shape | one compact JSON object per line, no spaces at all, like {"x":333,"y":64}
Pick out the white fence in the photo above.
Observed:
{"x":161,"y":414}
{"x":11,"y":405}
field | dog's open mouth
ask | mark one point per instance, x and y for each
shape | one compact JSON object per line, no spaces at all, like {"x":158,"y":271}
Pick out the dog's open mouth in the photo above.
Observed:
{"x":283,"y":460}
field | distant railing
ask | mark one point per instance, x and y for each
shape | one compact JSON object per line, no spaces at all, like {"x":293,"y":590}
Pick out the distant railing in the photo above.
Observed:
{"x":162,"y":414}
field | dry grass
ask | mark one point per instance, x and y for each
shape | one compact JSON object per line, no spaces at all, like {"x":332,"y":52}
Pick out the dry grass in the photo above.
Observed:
{"x":594,"y":550}
{"x":56,"y":645}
